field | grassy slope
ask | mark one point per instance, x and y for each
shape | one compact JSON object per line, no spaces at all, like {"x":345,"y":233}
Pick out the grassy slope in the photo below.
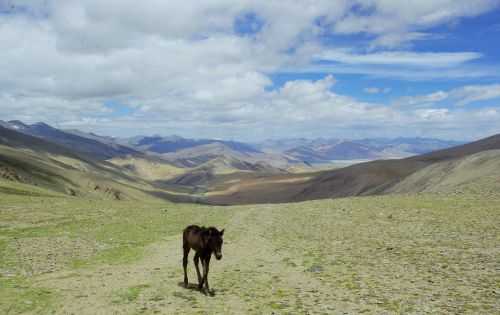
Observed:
{"x":379,"y":176}
{"x":477,"y":172}
{"x":63,"y":172}
{"x":148,"y":169}
{"x":391,"y":254}
{"x":58,"y":173}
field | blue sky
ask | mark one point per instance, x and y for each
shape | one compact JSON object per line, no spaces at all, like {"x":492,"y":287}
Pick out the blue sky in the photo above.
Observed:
{"x":251,"y":70}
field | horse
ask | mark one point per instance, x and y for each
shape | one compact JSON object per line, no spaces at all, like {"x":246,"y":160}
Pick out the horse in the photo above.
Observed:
{"x":204,"y":241}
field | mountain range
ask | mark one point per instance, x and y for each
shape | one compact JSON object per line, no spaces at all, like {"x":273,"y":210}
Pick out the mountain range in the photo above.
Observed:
{"x":229,"y":172}
{"x":325,"y":150}
{"x":320,"y":150}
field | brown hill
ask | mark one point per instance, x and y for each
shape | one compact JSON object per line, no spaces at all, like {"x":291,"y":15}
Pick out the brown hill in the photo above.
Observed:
{"x":369,"y":178}
{"x":378,"y":176}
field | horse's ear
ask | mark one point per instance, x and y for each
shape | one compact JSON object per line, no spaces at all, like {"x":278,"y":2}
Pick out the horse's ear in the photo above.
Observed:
{"x":222,"y":232}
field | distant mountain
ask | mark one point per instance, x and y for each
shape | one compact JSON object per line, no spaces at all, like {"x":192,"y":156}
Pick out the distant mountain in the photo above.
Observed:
{"x":15,"y":125}
{"x":209,"y":157}
{"x":11,"y":137}
{"x":77,"y":143}
{"x":282,"y":145}
{"x":5,"y":124}
{"x":334,"y":150}
{"x":291,"y":151}
{"x":207,"y":174}
{"x":235,"y":156}
{"x":278,"y":153}
{"x":327,"y":150}
{"x":158,"y":144}
{"x":410,"y":145}
{"x":93,"y":136}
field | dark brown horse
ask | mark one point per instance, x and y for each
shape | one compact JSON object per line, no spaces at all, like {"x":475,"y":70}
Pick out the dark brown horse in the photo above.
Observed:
{"x":204,"y":241}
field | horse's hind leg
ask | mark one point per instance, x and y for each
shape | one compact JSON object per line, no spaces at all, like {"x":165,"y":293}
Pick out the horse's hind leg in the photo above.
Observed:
{"x":184,"y":264}
{"x":196,"y":264}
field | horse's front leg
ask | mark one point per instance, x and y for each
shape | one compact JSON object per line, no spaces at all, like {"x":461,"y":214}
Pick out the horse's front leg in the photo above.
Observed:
{"x":184,"y":264}
{"x":196,"y":264}
{"x":204,"y":266}
{"x":206,"y":269}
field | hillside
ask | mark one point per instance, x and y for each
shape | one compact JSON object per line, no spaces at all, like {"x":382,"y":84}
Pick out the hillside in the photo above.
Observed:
{"x":35,"y":161}
{"x":379,"y":176}
{"x":370,"y":178}
{"x":479,"y":172}
{"x":84,"y":145}
{"x":29,"y":160}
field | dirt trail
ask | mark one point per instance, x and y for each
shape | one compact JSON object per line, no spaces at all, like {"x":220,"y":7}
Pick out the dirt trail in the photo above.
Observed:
{"x":251,"y":278}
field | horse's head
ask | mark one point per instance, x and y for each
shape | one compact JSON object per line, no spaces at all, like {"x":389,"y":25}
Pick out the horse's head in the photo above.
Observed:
{"x":214,"y":241}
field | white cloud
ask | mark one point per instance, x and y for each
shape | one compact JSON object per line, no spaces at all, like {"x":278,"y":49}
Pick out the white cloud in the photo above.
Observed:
{"x":459,"y":96}
{"x":395,"y":40}
{"x":400,"y":58}
{"x":377,"y":90}
{"x":180,"y":65}
{"x":394,"y":22}
{"x":433,"y":114}
{"x":475,"y":93}
{"x":419,"y":101}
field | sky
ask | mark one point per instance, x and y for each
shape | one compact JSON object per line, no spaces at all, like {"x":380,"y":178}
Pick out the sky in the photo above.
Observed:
{"x":254,"y":69}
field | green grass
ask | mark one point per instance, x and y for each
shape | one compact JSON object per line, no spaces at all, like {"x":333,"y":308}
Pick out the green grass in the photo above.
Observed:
{"x":19,"y":297}
{"x":120,"y":230}
{"x":13,"y":188}
{"x":130,"y":294}
{"x":393,"y":254}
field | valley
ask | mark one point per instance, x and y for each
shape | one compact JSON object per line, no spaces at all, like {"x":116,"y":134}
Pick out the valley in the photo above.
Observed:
{"x":209,"y":171}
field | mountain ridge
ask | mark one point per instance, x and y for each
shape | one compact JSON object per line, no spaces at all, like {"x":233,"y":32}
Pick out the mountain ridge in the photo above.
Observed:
{"x":225,"y":172}
{"x":85,"y":146}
